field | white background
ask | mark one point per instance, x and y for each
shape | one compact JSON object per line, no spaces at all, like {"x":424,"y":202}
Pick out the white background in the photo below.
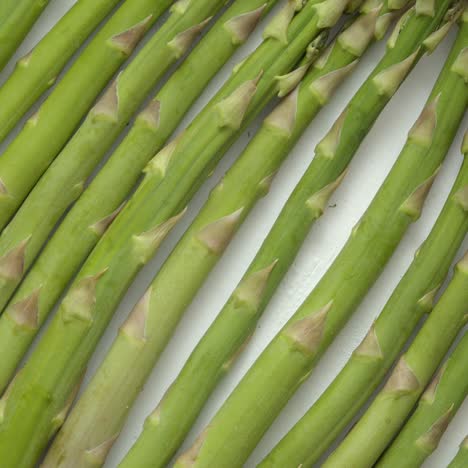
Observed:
{"x":368,"y":169}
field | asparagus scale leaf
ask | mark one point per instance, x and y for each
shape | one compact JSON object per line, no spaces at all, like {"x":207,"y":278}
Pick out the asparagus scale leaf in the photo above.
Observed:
{"x":290,"y":357}
{"x":461,"y":458}
{"x":95,"y":210}
{"x":65,"y":179}
{"x":16,"y":20}
{"x":47,"y":131}
{"x":437,"y":406}
{"x":38,"y":70}
{"x":406,"y":383}
{"x":413,"y":297}
{"x":56,"y":365}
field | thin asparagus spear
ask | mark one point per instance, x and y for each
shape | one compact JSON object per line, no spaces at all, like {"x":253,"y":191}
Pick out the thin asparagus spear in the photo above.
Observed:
{"x":45,"y":133}
{"x":95,"y":210}
{"x":412,"y":298}
{"x":461,"y":459}
{"x":290,"y":357}
{"x":415,"y":368}
{"x":204,"y":243}
{"x":65,"y":179}
{"x":38,"y":70}
{"x":16,"y":20}
{"x":168,"y":425}
{"x":62,"y":354}
{"x":422,"y":433}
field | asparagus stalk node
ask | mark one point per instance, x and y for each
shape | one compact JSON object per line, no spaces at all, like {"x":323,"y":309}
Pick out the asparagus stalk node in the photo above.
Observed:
{"x":38,"y":70}
{"x":289,"y":359}
{"x":65,"y":179}
{"x":103,"y":200}
{"x":437,"y":406}
{"x":47,"y":131}
{"x":61,"y":356}
{"x":16,"y":20}
{"x":406,"y":383}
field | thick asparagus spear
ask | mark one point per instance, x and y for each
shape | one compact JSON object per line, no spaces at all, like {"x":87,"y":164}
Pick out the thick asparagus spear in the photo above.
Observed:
{"x":228,"y":205}
{"x":422,"y":432}
{"x":36,"y":72}
{"x":289,"y":359}
{"x":380,"y":423}
{"x":63,"y":182}
{"x":412,"y":298}
{"x":45,"y":134}
{"x":94,"y":211}
{"x":16,"y":19}
{"x":168,"y":425}
{"x":61,"y":356}
{"x":461,"y":458}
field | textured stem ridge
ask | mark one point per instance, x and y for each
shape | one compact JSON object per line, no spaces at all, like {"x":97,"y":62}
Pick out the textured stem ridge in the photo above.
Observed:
{"x":413,"y":297}
{"x":65,"y":179}
{"x":437,"y":406}
{"x":16,"y":20}
{"x":461,"y":458}
{"x":166,"y":428}
{"x":95,"y":210}
{"x":55,"y":366}
{"x":406,"y":383}
{"x":289,"y":359}
{"x":38,"y":70}
{"x":47,"y":131}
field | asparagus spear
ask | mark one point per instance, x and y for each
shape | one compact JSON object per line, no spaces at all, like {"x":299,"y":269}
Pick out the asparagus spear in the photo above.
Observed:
{"x":61,"y":356}
{"x":95,"y":210}
{"x":16,"y":19}
{"x":422,"y":433}
{"x":412,"y":373}
{"x":45,"y":133}
{"x":228,"y":205}
{"x":36,"y":72}
{"x":168,"y":425}
{"x":63,"y":182}
{"x":289,"y":359}
{"x":461,"y":459}
{"x":412,"y":298}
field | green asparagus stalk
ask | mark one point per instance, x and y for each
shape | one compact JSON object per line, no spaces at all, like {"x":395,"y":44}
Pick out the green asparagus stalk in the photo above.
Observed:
{"x":165,"y":429}
{"x":95,"y":210}
{"x":422,"y":433}
{"x":204,"y":243}
{"x":63,"y":182}
{"x":370,"y":362}
{"x":38,"y":70}
{"x":45,"y":133}
{"x":57,"y":363}
{"x":461,"y":459}
{"x":393,"y":404}
{"x":16,"y":20}
{"x":289,"y":359}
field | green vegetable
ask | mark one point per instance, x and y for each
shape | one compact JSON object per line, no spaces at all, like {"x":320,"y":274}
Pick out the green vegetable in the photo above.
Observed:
{"x":60,"y":358}
{"x":166,"y":428}
{"x":46,"y":132}
{"x":17,"y":17}
{"x":461,"y":459}
{"x":422,"y":433}
{"x":369,"y":364}
{"x":97,"y":207}
{"x":65,"y":179}
{"x":289,"y":359}
{"x":388,"y":412}
{"x":38,"y":70}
